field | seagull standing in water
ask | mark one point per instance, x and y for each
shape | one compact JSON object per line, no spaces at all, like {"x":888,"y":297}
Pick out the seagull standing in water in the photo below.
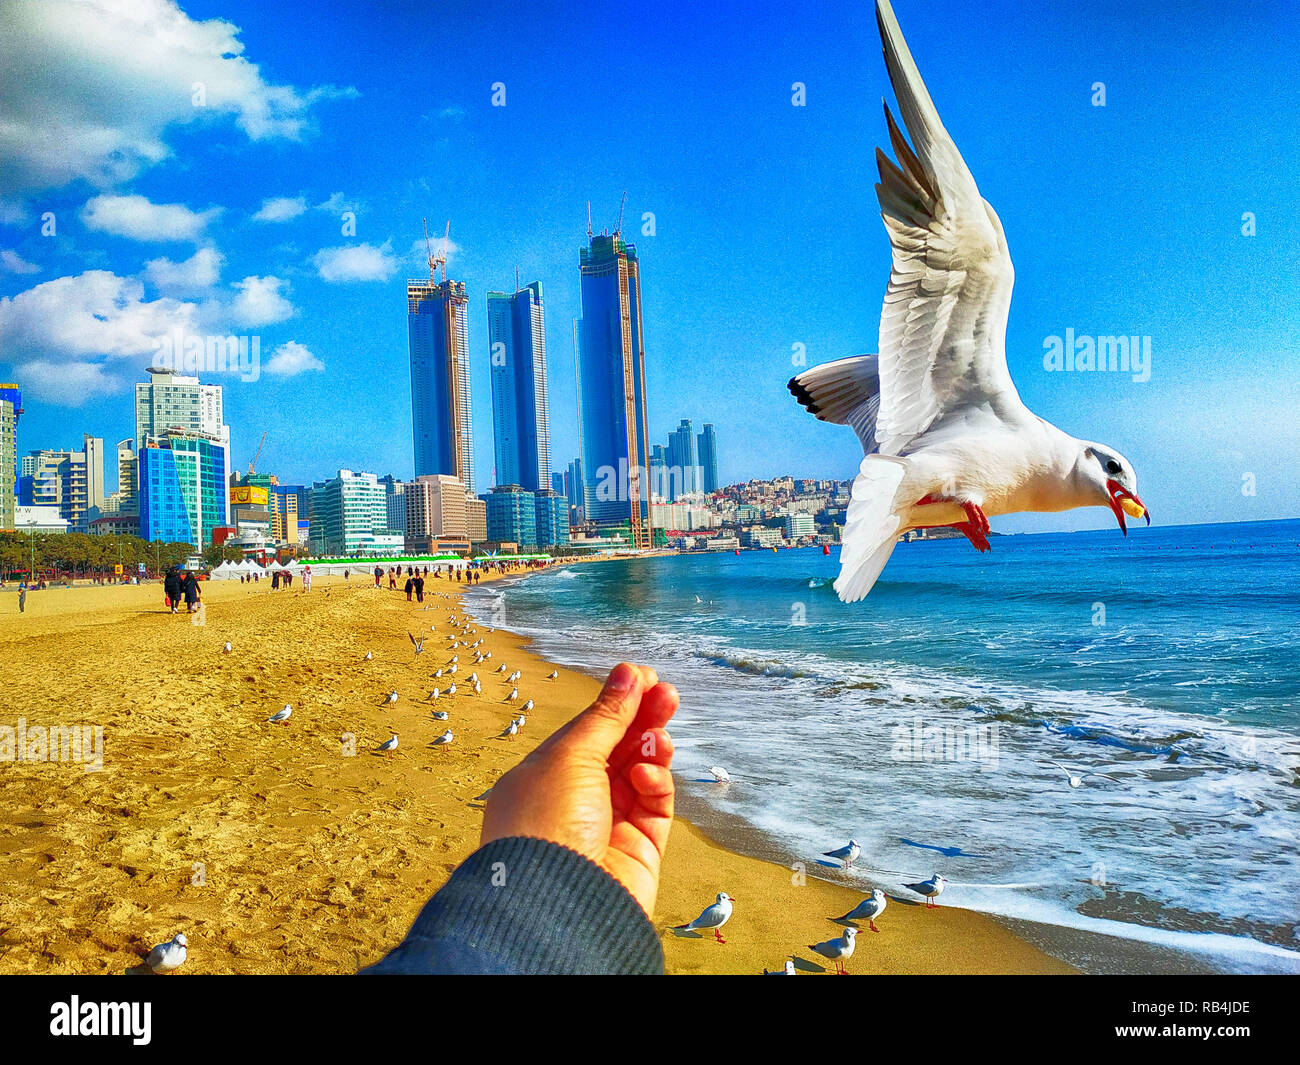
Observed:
{"x":947,"y":439}
{"x":931,"y":889}
{"x":847,"y":854}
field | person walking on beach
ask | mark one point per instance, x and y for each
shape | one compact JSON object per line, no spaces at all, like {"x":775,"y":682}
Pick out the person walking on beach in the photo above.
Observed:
{"x":392,"y":579}
{"x":582,"y":825}
{"x":419,"y":587}
{"x":172,"y":589}
{"x":306,"y":579}
{"x":410,"y":584}
{"x":275,"y":580}
{"x":191,"y":589}
{"x":22,"y":597}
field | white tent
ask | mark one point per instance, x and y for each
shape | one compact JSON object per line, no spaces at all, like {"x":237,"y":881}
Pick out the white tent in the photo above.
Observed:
{"x":225,"y":571}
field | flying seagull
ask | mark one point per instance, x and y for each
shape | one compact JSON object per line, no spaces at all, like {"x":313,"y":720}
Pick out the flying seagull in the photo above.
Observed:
{"x":947,"y":439}
{"x":720,"y":774}
{"x":713,"y":917}
{"x":417,"y":644}
{"x":1076,"y":777}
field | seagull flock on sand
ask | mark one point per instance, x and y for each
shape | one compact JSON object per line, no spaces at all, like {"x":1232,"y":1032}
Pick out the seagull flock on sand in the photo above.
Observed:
{"x":947,"y":439}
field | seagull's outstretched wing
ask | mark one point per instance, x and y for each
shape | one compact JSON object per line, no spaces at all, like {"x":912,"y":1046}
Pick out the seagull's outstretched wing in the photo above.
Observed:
{"x":846,"y":391}
{"x":943,"y":325}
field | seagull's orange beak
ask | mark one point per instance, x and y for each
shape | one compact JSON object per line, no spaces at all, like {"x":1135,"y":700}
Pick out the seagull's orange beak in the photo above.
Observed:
{"x":1122,"y":502}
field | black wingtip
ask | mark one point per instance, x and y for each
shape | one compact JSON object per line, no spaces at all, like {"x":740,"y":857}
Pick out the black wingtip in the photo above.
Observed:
{"x":802,"y":394}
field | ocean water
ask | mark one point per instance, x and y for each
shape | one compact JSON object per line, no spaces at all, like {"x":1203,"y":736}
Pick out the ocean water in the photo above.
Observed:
{"x":924,"y":721}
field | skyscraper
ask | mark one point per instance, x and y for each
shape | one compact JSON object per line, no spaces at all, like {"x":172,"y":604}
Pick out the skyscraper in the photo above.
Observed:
{"x":72,"y":482}
{"x":708,"y":459}
{"x":11,"y":405}
{"x":511,"y":515}
{"x":611,"y":389}
{"x":440,"y":408}
{"x":126,"y":476}
{"x":682,"y":472}
{"x":520,"y":411}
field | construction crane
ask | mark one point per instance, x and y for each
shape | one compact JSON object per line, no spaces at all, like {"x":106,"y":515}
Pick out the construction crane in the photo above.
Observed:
{"x":618,"y":229}
{"x":252,"y":465}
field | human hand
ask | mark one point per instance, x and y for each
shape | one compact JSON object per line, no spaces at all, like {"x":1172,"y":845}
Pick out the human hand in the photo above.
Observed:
{"x":601,"y":785}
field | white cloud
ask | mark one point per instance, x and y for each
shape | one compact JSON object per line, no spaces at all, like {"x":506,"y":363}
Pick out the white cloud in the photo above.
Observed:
{"x":91,"y":87}
{"x":291,"y":359}
{"x":74,"y":338}
{"x":281,"y":209}
{"x":195,"y":274}
{"x":355,"y":262}
{"x":13,"y":263}
{"x":259,"y":302}
{"x":136,"y":217}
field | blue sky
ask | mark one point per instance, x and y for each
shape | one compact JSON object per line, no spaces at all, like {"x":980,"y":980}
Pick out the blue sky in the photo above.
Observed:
{"x":1122,"y":219}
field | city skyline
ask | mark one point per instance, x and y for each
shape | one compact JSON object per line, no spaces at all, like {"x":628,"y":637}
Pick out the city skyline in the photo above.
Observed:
{"x":203,"y":221}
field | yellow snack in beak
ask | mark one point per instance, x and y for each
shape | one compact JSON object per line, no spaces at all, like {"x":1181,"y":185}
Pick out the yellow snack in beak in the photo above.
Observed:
{"x":1132,"y":509}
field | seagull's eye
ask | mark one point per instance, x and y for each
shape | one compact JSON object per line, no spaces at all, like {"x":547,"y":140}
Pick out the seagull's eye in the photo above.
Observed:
{"x":1112,"y":466}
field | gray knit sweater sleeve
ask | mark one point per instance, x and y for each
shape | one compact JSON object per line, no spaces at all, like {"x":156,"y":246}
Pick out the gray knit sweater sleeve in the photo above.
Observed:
{"x":527,"y":906}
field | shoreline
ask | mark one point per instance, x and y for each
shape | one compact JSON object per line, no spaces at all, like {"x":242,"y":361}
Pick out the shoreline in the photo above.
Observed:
{"x":1093,"y":950}
{"x":296,"y":848}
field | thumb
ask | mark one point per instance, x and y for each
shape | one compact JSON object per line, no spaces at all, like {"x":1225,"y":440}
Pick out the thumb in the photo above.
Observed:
{"x":603,"y":724}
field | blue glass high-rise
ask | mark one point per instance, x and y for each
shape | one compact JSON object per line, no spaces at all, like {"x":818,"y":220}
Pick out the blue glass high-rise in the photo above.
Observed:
{"x":611,"y":389}
{"x":440,"y":403}
{"x":520,"y":410}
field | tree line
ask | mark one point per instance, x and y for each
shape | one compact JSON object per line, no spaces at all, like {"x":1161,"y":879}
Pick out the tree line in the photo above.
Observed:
{"x":82,"y":555}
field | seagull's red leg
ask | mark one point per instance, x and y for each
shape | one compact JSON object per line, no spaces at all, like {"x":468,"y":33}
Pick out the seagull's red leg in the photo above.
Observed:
{"x":973,"y":533}
{"x":977,"y":516}
{"x":872,"y":924}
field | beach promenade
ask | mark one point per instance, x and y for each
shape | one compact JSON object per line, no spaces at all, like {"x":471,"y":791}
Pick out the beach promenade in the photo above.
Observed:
{"x":297,"y":848}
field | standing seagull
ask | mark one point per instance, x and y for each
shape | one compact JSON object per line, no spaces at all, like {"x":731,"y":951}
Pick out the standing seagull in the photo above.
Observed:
{"x":868,"y":909}
{"x":848,"y":854}
{"x":838,"y":950}
{"x":443,"y":740}
{"x":388,"y":746}
{"x":168,"y":956}
{"x":713,"y":917}
{"x":931,"y":889}
{"x":281,"y":716}
{"x":946,"y":437}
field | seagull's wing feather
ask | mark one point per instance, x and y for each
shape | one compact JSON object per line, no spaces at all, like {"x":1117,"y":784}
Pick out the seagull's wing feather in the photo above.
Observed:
{"x":846,"y":392}
{"x":943,"y":325}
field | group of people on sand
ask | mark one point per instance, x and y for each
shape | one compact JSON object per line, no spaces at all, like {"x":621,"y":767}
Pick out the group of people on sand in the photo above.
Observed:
{"x":181,"y":584}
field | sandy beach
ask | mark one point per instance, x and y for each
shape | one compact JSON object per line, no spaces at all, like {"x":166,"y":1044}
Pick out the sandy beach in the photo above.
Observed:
{"x":296,"y":848}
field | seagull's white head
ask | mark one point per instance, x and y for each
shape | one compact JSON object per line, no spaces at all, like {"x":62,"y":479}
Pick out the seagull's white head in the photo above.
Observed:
{"x":724,"y":897}
{"x":180,"y":938}
{"x":877,"y":894}
{"x":939,"y":879}
{"x":1110,"y":480}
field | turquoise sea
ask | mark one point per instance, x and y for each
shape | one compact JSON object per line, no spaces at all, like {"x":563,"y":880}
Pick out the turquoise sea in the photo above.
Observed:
{"x":924,"y":721}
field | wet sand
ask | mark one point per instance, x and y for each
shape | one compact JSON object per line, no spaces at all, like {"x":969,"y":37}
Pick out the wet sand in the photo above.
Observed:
{"x":296,"y":848}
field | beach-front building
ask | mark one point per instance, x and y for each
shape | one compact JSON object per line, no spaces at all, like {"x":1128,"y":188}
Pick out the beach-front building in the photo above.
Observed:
{"x":349,"y":516}
{"x":168,"y":401}
{"x":72,"y":482}
{"x":182,"y":487}
{"x":11,"y":406}
{"x":551,"y":518}
{"x":127,"y":483}
{"x":521,"y":438}
{"x":511,"y":515}
{"x":612,"y":420}
{"x":437,"y":509}
{"x":438,"y":338}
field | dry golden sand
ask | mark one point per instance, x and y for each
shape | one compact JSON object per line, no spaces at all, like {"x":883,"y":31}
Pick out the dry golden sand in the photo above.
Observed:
{"x":277,"y":852}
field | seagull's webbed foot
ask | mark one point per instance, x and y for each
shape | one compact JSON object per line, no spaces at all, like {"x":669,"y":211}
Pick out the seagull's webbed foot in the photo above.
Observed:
{"x":974,"y":534}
